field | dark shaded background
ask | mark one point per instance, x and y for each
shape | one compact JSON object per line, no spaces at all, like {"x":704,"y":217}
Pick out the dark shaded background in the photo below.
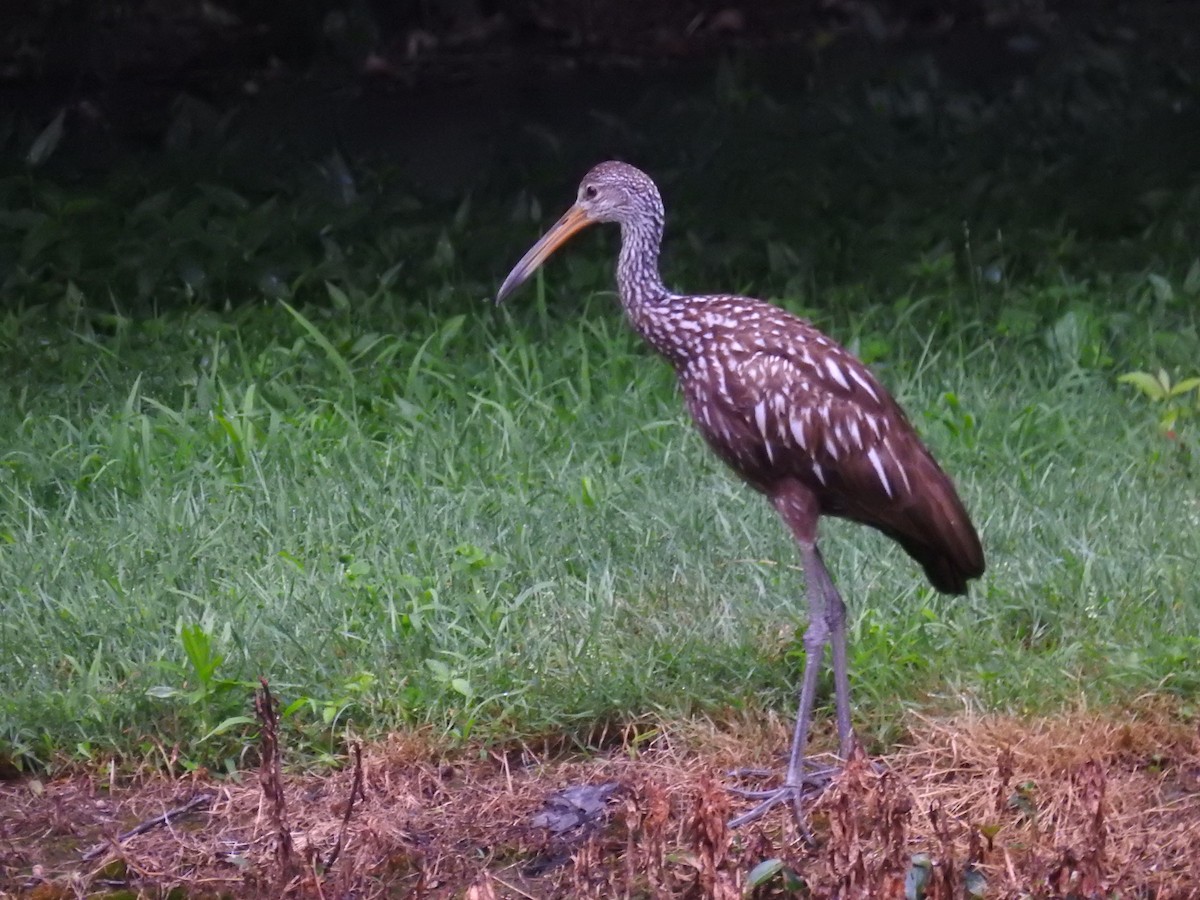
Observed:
{"x":863,"y":133}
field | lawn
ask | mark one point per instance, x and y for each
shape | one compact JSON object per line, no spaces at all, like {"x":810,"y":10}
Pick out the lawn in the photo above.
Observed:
{"x":412,"y":512}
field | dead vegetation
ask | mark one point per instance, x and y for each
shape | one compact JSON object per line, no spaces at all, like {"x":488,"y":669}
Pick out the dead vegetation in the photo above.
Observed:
{"x":1082,"y":805}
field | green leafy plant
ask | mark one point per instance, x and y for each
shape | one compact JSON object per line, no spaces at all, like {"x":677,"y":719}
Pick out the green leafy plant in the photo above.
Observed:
{"x":323,"y":739}
{"x":1177,"y":401}
{"x":200,"y":687}
{"x":1077,"y":338}
{"x":773,"y":876}
{"x":331,"y":710}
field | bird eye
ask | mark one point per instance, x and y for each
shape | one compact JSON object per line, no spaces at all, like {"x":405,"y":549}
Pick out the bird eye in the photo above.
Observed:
{"x":589,"y":192}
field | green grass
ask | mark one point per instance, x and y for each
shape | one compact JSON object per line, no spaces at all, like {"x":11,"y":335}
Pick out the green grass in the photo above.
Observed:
{"x":256,"y":430}
{"x":499,"y":524}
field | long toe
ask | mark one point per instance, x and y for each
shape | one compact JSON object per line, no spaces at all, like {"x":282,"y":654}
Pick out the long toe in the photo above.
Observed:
{"x":812,"y":784}
{"x":778,"y":797}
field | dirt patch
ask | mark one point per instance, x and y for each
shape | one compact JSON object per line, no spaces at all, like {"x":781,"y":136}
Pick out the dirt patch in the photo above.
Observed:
{"x":1082,"y":805}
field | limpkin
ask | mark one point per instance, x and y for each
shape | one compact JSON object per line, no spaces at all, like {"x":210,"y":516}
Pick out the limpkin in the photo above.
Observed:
{"x":795,"y":415}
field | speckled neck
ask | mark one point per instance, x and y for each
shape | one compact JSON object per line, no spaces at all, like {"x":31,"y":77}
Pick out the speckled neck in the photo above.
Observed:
{"x":651,"y":308}
{"x":637,"y":266}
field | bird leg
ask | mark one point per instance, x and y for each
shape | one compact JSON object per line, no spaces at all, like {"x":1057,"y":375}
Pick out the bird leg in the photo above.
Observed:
{"x":835,"y":617}
{"x":798,"y":507}
{"x":816,"y":636}
{"x":826,"y":620}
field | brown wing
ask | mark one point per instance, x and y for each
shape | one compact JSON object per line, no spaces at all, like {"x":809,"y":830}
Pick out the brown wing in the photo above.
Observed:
{"x":801,"y":407}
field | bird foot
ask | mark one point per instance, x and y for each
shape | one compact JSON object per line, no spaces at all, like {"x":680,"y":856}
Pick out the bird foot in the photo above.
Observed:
{"x":810,"y":784}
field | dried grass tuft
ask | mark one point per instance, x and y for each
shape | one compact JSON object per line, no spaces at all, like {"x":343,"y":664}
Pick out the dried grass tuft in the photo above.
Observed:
{"x":866,"y":815}
{"x":1080,"y":803}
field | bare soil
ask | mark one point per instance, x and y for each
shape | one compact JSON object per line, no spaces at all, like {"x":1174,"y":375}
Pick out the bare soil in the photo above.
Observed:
{"x":1083,"y":805}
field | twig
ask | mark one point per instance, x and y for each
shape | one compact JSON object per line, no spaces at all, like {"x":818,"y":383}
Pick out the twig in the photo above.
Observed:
{"x":165,"y":818}
{"x":316,"y":876}
{"x":356,"y":790}
{"x":270,"y":777}
{"x":511,"y":887}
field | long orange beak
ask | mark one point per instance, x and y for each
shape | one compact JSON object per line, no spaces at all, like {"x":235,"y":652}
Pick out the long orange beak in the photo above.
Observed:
{"x":573,"y":220}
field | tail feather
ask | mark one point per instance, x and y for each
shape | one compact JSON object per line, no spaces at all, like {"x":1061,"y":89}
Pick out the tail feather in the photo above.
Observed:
{"x":936,"y":531}
{"x":947,"y":573}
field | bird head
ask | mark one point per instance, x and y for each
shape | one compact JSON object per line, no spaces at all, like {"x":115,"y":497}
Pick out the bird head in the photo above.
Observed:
{"x":610,"y":192}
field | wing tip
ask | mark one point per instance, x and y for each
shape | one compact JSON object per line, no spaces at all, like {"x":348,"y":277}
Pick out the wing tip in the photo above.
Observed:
{"x":951,"y":575}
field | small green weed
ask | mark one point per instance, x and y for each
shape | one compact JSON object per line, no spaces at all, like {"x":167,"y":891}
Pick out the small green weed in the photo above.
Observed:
{"x":1177,"y":401}
{"x":199,"y":689}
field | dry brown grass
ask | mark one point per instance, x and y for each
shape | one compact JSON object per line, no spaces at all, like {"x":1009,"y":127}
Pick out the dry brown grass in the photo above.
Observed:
{"x":1084,"y":805}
